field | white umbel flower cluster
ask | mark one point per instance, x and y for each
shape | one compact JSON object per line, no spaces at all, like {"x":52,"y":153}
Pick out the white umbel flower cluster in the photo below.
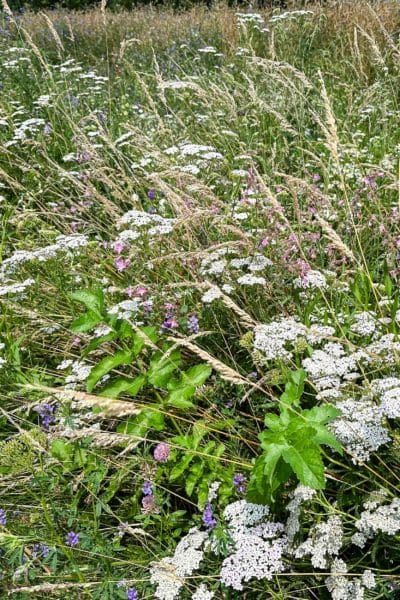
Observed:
{"x":342,"y":587}
{"x":169,"y":574}
{"x":79,"y":372}
{"x":16,"y":288}
{"x":211,"y":294}
{"x":329,"y":366}
{"x":388,"y":392}
{"x":141,"y":222}
{"x":202,"y":593}
{"x":359,"y":428}
{"x":63,"y":243}
{"x":258,"y":548}
{"x":276,"y":339}
{"x":364,"y":324}
{"x":381,"y":519}
{"x":314,"y":280}
{"x":300,"y":495}
{"x":325,"y":540}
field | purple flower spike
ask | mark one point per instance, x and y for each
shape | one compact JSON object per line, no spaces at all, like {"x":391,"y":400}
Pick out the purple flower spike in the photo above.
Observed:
{"x":208,"y":517}
{"x":147,"y":488}
{"x":3,"y":517}
{"x":239,"y":482}
{"x":72,"y":539}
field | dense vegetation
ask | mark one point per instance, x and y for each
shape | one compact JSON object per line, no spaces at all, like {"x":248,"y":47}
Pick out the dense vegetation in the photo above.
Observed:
{"x":199,"y":303}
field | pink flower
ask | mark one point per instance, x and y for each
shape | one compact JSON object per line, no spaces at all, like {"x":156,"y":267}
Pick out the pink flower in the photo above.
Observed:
{"x":149,"y":505}
{"x":161,"y":452}
{"x":118,"y":247}
{"x":141,"y":290}
{"x":122,"y":263}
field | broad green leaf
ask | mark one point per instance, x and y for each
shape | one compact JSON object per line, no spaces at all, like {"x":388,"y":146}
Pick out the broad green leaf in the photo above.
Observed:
{"x":63,"y":451}
{"x":161,"y":368}
{"x":322,"y":414}
{"x":271,"y":459}
{"x":307,"y":463}
{"x":139,"y":426}
{"x":196,"y":375}
{"x":196,"y":471}
{"x":273,"y":422}
{"x":181,"y":466}
{"x":123,"y":357}
{"x":180,"y":397}
{"x":323,"y":436}
{"x":316,"y":417}
{"x":139,"y":341}
{"x":98,"y":341}
{"x":123,"y":385}
{"x":92,"y":299}
{"x":85,"y":322}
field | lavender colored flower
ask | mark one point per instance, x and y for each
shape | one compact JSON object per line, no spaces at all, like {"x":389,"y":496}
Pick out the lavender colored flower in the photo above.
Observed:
{"x":3,"y":517}
{"x":208,"y":517}
{"x":132,"y":594}
{"x":239,"y":482}
{"x":40,"y":551}
{"x":47,"y":414}
{"x":151,"y":194}
{"x":193,"y":324}
{"x":147,"y":306}
{"x":168,"y":324}
{"x":72,"y":539}
{"x":147,"y":488}
{"x":161,"y":452}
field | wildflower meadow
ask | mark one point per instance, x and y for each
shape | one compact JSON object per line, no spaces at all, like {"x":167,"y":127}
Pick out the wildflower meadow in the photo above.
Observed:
{"x":200,"y":303}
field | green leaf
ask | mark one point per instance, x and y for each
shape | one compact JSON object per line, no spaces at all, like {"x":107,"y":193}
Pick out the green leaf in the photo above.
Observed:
{"x":321,"y":414}
{"x":316,"y":417}
{"x":85,"y":322}
{"x":181,"y":466}
{"x":192,"y":478}
{"x":139,"y":341}
{"x":93,"y":300}
{"x":61,"y":450}
{"x":273,"y":422}
{"x":98,"y":341}
{"x":139,"y":425}
{"x":123,"y":357}
{"x":307,"y":463}
{"x":196,"y":375}
{"x":161,"y":368}
{"x":180,"y":397}
{"x":123,"y":385}
{"x":271,"y":459}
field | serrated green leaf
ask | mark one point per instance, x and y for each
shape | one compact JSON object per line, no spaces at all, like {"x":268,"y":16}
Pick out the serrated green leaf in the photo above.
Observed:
{"x":273,"y":422}
{"x":139,"y":425}
{"x":322,"y":414}
{"x":180,"y":397}
{"x":85,"y":322}
{"x":92,"y":299}
{"x":108,"y":363}
{"x":196,"y":375}
{"x":123,"y":385}
{"x":98,"y":341}
{"x":181,"y":466}
{"x":161,"y":368}
{"x":307,"y":463}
